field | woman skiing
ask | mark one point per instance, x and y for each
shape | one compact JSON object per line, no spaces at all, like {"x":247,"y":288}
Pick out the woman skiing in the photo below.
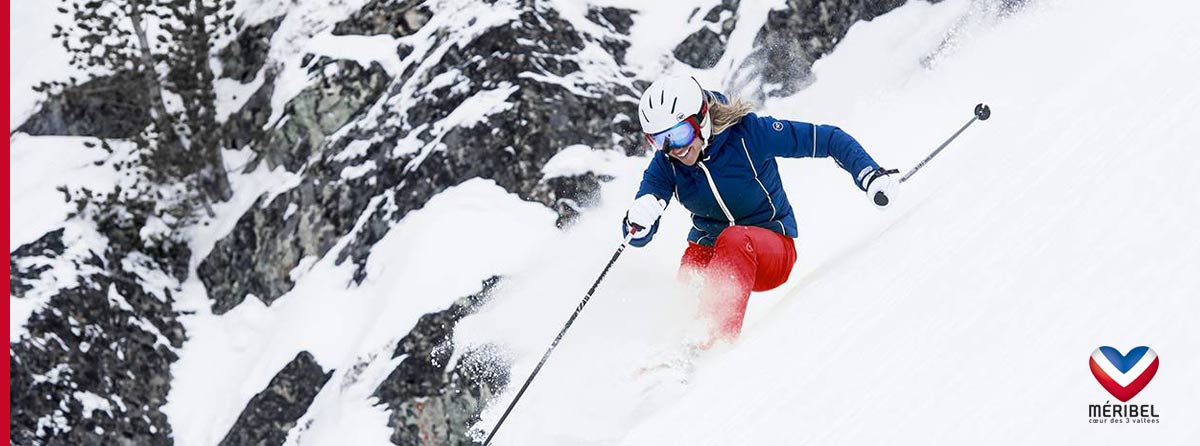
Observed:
{"x":718,"y":158}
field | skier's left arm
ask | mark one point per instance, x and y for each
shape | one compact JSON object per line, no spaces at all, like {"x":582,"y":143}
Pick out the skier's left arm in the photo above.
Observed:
{"x":795,"y":139}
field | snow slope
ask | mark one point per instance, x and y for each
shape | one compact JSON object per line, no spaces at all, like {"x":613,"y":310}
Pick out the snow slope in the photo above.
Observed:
{"x":346,"y":329}
{"x":34,"y":56}
{"x":965,"y":314}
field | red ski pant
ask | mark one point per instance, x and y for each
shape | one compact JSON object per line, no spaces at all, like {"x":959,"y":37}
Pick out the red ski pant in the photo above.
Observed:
{"x":744,"y":259}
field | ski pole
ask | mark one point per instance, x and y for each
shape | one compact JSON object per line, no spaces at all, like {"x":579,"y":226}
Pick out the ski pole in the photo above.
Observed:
{"x":982,"y":112}
{"x":554,"y":344}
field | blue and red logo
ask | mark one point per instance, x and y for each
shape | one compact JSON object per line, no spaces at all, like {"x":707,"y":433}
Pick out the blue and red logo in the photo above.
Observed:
{"x":1124,"y":375}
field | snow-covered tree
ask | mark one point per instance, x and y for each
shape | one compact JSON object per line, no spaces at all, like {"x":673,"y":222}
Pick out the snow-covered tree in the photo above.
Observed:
{"x":157,"y":53}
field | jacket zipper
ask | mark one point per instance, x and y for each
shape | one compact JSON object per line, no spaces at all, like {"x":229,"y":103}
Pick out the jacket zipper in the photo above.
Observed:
{"x":716,"y":193}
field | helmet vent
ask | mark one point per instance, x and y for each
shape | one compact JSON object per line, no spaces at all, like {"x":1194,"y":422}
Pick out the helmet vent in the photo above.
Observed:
{"x":676,"y":101}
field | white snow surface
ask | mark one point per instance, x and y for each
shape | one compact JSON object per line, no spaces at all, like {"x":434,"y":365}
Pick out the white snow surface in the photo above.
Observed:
{"x":40,"y":165}
{"x":33,"y":56}
{"x":580,"y":159}
{"x":427,"y":261}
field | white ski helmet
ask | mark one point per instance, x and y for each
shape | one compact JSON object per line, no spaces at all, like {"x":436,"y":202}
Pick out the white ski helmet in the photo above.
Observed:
{"x":671,"y":100}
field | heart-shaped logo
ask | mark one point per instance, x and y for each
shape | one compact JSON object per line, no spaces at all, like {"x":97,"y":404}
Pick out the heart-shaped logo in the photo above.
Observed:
{"x":1124,"y":375}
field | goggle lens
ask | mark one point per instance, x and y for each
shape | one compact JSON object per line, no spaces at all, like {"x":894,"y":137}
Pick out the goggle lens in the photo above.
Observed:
{"x":680,"y":135}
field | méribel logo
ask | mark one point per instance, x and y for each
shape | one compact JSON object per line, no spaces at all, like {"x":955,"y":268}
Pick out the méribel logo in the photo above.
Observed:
{"x":1124,"y":375}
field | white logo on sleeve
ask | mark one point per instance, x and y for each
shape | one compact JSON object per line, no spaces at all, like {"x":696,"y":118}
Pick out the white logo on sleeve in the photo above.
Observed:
{"x":778,"y":126}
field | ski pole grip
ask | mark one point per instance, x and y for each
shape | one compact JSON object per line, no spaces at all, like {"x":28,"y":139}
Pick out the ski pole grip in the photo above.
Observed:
{"x":982,"y":111}
{"x":880,"y":199}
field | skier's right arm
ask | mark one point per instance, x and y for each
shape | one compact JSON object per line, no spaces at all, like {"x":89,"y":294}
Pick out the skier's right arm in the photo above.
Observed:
{"x":795,"y":139}
{"x":652,"y":197}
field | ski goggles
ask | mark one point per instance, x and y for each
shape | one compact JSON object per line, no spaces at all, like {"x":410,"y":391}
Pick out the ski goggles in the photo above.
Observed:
{"x":679,"y":135}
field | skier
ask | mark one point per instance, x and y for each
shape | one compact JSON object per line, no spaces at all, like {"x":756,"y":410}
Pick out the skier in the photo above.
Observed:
{"x":718,"y":158}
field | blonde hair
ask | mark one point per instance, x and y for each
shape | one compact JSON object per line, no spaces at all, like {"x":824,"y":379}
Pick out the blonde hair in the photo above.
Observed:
{"x":725,"y":115}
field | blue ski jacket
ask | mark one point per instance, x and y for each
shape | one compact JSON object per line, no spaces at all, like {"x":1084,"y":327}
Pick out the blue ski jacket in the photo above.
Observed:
{"x":736,"y":180}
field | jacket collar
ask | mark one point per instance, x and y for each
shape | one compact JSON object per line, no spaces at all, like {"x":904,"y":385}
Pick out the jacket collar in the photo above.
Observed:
{"x":718,"y":141}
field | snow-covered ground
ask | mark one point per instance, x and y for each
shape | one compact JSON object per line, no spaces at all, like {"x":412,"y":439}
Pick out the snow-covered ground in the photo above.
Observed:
{"x":34,"y":56}
{"x":421,"y":266}
{"x":964,"y":314}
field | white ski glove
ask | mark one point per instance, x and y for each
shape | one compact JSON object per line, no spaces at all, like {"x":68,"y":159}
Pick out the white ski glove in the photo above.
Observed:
{"x":643,"y":213}
{"x":882,"y":186}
